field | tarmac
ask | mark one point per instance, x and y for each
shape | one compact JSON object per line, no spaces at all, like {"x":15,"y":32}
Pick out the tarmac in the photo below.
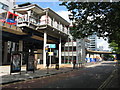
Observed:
{"x":43,"y":72}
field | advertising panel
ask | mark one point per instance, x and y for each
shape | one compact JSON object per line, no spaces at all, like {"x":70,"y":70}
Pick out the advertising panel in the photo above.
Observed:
{"x":30,"y":62}
{"x":15,"y":63}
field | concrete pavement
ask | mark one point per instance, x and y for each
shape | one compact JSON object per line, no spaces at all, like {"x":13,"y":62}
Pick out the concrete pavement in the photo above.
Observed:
{"x":40,"y":72}
{"x":114,"y":81}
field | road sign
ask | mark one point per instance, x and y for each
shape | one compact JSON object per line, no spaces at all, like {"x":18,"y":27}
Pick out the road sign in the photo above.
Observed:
{"x":46,"y":49}
{"x":51,"y":45}
{"x":50,"y":53}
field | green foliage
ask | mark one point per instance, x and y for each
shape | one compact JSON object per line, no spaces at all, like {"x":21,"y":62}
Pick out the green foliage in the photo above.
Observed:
{"x":107,"y":56}
{"x":100,"y":17}
{"x":90,"y":17}
{"x":114,"y":47}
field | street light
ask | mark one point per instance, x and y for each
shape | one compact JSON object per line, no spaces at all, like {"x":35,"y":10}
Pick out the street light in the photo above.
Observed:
{"x":71,"y":17}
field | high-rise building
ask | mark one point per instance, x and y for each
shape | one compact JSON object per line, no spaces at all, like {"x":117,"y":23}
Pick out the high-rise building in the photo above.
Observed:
{"x":93,"y":42}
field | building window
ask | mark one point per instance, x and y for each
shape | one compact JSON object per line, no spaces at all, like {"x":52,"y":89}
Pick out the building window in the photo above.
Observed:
{"x":3,"y":6}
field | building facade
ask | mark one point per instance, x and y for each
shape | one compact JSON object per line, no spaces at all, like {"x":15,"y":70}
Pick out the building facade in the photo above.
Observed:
{"x":39,"y":27}
{"x":93,"y":42}
{"x":5,"y":5}
{"x":74,"y":51}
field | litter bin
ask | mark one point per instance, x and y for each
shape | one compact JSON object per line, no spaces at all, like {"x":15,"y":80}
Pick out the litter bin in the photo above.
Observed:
{"x":57,"y":64}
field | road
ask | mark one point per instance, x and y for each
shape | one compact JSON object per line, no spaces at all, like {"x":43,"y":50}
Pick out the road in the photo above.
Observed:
{"x":90,"y":77}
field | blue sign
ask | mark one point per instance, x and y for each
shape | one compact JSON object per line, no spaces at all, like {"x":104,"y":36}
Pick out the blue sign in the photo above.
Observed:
{"x":11,"y":21}
{"x":52,"y":46}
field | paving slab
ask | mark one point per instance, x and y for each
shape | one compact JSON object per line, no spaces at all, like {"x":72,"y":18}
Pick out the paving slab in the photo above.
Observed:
{"x":41,"y":72}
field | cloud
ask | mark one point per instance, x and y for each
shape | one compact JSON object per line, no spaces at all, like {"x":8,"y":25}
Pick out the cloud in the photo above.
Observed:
{"x":64,"y":14}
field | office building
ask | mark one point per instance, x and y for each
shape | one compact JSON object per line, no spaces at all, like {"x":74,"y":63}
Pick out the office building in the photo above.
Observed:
{"x":93,"y":42}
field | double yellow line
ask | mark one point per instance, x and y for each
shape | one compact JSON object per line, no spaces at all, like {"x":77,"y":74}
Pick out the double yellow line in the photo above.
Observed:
{"x":107,"y":81}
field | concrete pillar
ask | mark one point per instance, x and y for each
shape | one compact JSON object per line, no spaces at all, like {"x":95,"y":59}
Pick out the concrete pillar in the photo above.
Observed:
{"x":44,"y":45}
{"x":13,"y":47}
{"x":20,"y":45}
{"x":72,"y":50}
{"x":68,"y":49}
{"x":5,"y":52}
{"x":21,"y":49}
{"x":60,"y":51}
{"x":64,"y":54}
{"x":83,"y":50}
{"x":77,"y":52}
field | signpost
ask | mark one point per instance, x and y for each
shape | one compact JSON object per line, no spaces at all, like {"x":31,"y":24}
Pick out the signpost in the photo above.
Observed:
{"x":15,"y":63}
{"x":50,"y":53}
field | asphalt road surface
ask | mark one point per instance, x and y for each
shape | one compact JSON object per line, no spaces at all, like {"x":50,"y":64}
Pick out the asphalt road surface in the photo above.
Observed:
{"x":90,"y":77}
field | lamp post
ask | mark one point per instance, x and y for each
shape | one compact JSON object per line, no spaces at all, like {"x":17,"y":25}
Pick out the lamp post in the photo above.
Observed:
{"x":71,"y":17}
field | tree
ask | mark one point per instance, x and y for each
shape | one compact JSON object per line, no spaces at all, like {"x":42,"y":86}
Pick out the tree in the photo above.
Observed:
{"x":100,"y":17}
{"x":107,"y":57}
{"x":114,"y":47}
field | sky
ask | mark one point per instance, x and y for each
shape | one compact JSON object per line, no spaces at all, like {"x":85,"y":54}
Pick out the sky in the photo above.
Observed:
{"x":62,"y":11}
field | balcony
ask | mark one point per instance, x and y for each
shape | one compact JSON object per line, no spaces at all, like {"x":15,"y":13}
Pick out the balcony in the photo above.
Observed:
{"x":37,"y":18}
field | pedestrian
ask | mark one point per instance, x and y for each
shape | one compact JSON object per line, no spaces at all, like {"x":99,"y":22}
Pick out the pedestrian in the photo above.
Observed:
{"x":74,"y":62}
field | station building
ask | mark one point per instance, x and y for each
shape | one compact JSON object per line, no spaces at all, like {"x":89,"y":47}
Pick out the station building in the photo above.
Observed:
{"x":36,"y":28}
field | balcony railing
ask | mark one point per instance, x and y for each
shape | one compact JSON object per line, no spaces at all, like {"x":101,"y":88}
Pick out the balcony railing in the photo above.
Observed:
{"x":38,"y":22}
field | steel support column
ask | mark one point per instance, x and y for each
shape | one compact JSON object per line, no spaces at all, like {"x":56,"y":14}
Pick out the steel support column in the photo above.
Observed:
{"x":60,"y":52}
{"x":44,"y":45}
